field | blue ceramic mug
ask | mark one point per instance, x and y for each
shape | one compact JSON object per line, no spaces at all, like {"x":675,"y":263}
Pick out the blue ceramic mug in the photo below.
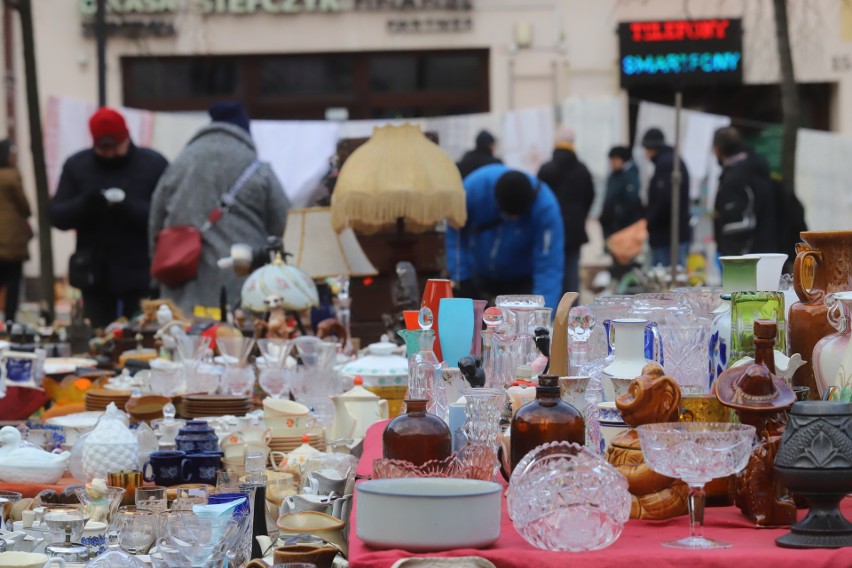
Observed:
{"x":164,"y":468}
{"x":201,"y":467}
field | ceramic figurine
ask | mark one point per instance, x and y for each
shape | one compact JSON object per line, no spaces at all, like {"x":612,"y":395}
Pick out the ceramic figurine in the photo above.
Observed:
{"x":652,"y":397}
{"x":97,"y":506}
{"x":170,"y":333}
{"x":760,"y":398}
{"x":276,"y":325}
{"x":471,"y":369}
{"x":406,"y":291}
{"x":542,"y":343}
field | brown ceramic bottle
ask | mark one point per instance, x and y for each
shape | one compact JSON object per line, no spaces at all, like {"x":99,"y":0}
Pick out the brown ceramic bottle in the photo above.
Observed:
{"x":546,"y":419}
{"x":416,"y":436}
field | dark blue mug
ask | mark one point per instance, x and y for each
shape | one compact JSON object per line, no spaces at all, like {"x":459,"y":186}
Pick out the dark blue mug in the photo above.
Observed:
{"x":242,"y":508}
{"x":164,"y":468}
{"x":201,"y":467}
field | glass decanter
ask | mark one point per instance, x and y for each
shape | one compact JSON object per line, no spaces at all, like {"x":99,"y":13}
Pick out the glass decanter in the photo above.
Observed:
{"x":520,"y":309}
{"x":581,"y":324}
{"x":424,"y":371}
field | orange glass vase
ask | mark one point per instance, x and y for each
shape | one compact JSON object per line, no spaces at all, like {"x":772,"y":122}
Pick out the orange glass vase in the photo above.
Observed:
{"x":436,"y":288}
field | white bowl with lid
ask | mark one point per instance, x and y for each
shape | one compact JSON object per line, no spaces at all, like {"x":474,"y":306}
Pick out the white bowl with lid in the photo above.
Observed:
{"x":382,"y":366}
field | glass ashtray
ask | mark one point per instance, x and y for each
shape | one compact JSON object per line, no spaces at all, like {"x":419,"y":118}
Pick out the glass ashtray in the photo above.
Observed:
{"x":562,"y":497}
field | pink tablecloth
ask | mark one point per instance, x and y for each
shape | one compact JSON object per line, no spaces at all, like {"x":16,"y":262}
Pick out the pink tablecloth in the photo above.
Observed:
{"x":638,"y":546}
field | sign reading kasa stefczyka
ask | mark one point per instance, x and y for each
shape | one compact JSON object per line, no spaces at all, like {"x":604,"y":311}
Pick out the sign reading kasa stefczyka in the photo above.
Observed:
{"x":680,"y":52}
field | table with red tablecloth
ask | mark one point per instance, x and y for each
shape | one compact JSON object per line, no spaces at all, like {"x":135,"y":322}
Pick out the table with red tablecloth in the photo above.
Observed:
{"x":638,"y":547}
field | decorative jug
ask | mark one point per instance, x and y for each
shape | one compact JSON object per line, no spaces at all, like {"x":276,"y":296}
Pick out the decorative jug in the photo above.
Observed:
{"x":832,"y":356}
{"x":739,"y":274}
{"x":627,"y":340}
{"x":823,"y":265}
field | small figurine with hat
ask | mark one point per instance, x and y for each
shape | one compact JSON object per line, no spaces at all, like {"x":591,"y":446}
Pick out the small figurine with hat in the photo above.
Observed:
{"x":760,"y":398}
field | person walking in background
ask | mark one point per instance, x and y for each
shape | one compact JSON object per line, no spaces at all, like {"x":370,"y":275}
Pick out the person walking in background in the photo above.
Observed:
{"x":104,"y":194}
{"x":15,"y":230}
{"x":622,"y":203}
{"x":744,"y":213}
{"x":481,"y":155}
{"x":658,"y":212}
{"x":572,"y":184}
{"x":513,"y":240}
{"x":219,"y":158}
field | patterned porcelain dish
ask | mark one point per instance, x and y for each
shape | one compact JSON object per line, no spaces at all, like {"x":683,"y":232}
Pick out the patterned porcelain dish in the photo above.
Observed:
{"x":381,"y":367}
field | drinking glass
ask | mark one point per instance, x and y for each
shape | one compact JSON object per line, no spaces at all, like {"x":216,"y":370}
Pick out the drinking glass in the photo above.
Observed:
{"x":167,"y":554}
{"x":188,"y":496}
{"x":151,"y":498}
{"x":685,"y":349}
{"x":228,"y":480}
{"x":137,"y":529}
{"x":696,"y":452}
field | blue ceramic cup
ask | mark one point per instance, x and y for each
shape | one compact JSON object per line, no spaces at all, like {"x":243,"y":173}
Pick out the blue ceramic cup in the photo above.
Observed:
{"x":164,"y":468}
{"x":201,"y":467}
{"x":242,"y":509}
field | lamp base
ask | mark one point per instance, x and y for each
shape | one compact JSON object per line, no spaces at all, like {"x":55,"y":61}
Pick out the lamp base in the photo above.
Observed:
{"x":823,"y":527}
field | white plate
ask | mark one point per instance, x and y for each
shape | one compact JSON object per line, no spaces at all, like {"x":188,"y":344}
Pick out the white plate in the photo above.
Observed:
{"x":60,"y":365}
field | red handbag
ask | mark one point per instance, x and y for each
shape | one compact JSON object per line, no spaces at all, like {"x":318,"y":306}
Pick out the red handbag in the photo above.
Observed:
{"x":177,"y":253}
{"x":177,"y":250}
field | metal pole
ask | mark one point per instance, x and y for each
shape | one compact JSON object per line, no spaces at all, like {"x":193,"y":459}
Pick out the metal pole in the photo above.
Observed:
{"x":100,"y":40}
{"x":676,"y":176}
{"x":9,"y":78}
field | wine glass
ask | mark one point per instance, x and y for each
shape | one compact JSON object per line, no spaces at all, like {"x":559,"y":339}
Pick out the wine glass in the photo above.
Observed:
{"x":239,"y":378}
{"x":696,"y":452}
{"x":151,"y":498}
{"x":274,"y":379}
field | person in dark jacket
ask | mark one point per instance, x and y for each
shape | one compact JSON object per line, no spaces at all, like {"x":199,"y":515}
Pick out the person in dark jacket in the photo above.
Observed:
{"x":481,"y":155}
{"x":104,"y":194}
{"x":744,"y":216}
{"x":512,"y":240}
{"x":572,"y":183}
{"x":622,"y":203}
{"x":658,"y":212}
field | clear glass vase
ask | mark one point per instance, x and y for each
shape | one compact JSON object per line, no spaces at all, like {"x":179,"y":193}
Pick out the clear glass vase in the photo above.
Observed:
{"x":482,"y":428}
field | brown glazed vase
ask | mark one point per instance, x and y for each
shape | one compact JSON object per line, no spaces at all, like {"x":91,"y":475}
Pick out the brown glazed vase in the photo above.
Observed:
{"x":823,"y":265}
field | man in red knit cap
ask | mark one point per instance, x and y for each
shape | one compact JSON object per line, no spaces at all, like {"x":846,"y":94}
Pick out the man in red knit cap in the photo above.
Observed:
{"x":104,"y":194}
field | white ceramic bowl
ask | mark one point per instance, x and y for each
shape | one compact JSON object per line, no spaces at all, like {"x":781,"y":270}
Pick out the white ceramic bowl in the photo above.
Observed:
{"x":426,"y":513}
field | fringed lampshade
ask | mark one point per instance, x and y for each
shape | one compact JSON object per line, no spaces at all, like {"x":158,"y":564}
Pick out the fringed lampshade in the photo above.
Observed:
{"x":398,"y":174}
{"x":321,"y":252}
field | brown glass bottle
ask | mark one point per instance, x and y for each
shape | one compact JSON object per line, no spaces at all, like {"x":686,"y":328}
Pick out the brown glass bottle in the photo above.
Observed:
{"x":546,"y":419}
{"x":416,"y":436}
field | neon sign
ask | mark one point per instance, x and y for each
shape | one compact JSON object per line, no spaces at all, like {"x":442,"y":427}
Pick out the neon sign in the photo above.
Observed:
{"x":680,"y":52}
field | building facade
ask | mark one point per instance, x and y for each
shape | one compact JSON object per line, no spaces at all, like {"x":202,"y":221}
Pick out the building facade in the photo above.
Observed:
{"x":315,"y":59}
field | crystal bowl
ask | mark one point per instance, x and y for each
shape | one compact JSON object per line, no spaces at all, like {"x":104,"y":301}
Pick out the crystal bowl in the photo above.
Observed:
{"x":563,"y":497}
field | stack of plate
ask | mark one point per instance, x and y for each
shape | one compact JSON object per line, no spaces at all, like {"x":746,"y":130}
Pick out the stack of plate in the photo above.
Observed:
{"x":98,"y":399}
{"x":202,"y":405}
{"x":286,"y":444}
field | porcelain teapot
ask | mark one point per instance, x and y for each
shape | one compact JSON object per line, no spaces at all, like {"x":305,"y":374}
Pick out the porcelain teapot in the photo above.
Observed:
{"x":356,"y":410}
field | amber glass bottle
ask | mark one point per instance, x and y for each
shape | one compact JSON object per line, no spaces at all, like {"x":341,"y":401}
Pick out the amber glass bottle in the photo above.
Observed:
{"x":417,"y":436}
{"x":546,"y":419}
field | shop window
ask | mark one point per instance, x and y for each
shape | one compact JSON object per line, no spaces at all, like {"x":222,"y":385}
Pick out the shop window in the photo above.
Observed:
{"x":412,"y":73}
{"x":184,"y":78}
{"x":311,"y":75}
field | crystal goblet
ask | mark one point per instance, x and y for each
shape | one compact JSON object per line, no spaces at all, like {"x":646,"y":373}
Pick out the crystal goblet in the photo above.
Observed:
{"x":696,"y":452}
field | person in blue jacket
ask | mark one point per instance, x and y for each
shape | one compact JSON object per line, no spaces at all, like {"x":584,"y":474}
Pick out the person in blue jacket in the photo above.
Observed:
{"x":513,"y":241}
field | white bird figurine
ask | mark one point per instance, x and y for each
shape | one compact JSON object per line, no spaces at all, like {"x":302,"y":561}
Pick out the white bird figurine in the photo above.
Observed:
{"x":28,"y":464}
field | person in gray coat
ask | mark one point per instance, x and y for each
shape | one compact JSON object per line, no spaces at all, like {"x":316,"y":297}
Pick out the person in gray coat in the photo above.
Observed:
{"x":192,"y":186}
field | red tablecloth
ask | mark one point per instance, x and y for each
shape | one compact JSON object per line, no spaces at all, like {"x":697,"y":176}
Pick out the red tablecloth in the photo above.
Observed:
{"x":638,"y":547}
